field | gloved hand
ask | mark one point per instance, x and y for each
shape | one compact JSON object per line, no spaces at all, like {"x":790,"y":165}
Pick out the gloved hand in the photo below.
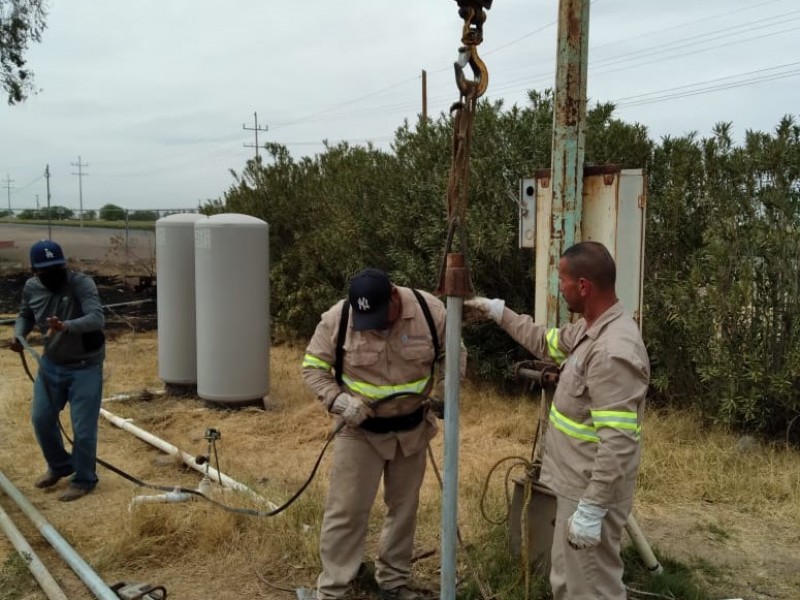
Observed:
{"x":353,"y":410}
{"x":584,"y":525}
{"x":15,"y":345}
{"x":483,"y":309}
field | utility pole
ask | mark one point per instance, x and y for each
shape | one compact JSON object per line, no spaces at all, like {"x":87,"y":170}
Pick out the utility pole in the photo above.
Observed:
{"x":80,"y":175}
{"x":569,"y":127}
{"x":255,"y":129}
{"x":9,"y":187}
{"x":37,"y":206}
{"x":49,"y":223}
{"x":424,"y":97}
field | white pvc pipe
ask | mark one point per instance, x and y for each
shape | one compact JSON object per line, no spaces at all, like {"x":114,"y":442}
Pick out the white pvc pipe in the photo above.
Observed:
{"x":645,"y":551}
{"x":135,"y":395}
{"x":188,"y":459}
{"x":37,"y":569}
{"x":60,"y":545}
{"x":173,"y":496}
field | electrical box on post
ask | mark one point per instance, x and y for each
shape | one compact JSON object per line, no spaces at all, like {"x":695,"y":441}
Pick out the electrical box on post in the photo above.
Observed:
{"x":614,"y":215}
{"x":527,"y":213}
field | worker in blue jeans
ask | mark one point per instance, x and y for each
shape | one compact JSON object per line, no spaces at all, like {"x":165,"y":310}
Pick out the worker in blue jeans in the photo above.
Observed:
{"x":66,"y":307}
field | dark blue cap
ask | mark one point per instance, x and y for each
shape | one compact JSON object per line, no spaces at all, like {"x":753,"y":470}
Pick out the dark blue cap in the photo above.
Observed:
{"x":46,"y":253}
{"x":370,"y":293}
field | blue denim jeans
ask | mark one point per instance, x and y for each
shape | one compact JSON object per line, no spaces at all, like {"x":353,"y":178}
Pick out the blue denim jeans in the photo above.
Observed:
{"x":82,"y":387}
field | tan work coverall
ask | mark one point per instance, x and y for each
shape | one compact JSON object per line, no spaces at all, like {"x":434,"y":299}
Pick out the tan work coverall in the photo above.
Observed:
{"x":592,"y":446}
{"x":376,"y":364}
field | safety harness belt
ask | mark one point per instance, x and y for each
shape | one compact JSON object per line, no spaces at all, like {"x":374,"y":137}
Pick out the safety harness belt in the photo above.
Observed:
{"x":345,"y":319}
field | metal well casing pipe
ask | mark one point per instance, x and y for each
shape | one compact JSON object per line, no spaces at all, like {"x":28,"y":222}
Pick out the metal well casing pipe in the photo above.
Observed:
{"x":42,"y":576}
{"x":60,"y":545}
{"x":452,"y":384}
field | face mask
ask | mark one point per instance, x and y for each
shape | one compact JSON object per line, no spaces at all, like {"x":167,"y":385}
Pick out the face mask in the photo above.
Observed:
{"x":53,"y":279}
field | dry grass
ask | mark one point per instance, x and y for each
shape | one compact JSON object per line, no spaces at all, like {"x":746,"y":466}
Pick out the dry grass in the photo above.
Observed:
{"x":197,"y":550}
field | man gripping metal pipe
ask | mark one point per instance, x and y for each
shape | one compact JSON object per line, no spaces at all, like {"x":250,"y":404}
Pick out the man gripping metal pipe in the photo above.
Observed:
{"x":592,"y":445}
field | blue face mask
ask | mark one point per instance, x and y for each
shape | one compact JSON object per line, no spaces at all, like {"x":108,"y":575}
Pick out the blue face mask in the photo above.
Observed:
{"x":53,"y":278}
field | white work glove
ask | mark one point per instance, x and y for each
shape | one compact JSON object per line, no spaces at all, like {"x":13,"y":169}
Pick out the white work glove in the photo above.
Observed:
{"x":482,"y":309}
{"x":584,"y":525}
{"x":353,"y":410}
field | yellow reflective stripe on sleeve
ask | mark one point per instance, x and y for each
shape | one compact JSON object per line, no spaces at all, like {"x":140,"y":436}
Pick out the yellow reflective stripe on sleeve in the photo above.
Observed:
{"x":572,"y":428}
{"x":552,"y":346}
{"x":376,"y":392}
{"x":617,"y":419}
{"x":312,"y":362}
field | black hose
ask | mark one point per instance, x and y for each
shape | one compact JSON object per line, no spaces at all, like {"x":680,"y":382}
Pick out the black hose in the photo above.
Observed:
{"x":193,"y":492}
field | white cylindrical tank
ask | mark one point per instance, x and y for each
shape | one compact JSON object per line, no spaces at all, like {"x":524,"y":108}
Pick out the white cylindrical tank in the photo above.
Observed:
{"x":177,"y":346}
{"x":232,"y":295}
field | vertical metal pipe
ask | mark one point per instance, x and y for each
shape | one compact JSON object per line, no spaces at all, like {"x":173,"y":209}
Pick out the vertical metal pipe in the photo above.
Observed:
{"x":38,"y":570}
{"x":569,"y":124}
{"x":452,"y":384}
{"x":60,"y":545}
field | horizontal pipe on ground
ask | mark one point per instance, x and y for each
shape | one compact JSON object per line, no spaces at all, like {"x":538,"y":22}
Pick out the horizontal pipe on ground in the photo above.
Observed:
{"x":40,"y":573}
{"x":188,"y":459}
{"x":140,"y":395}
{"x":81,"y":568}
{"x":13,"y":320}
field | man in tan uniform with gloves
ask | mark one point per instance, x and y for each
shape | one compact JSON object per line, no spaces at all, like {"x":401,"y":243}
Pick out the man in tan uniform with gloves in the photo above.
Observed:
{"x":388,"y":347}
{"x":592,"y":446}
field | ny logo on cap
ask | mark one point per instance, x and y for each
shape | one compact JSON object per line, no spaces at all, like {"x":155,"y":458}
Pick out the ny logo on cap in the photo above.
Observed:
{"x":363,"y":304}
{"x":49,"y":253}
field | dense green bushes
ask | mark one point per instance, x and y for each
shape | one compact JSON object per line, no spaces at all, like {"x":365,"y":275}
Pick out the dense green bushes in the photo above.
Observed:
{"x":721,"y":284}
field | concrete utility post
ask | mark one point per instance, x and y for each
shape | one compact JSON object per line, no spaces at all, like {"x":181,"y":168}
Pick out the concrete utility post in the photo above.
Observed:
{"x":569,"y":125}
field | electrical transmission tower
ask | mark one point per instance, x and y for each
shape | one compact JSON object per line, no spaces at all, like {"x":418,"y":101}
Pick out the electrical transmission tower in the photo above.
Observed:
{"x":80,"y":175}
{"x":9,"y":187}
{"x":255,"y":129}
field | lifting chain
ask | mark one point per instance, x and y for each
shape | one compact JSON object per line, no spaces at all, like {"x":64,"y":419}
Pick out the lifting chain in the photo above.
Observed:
{"x":454,"y":276}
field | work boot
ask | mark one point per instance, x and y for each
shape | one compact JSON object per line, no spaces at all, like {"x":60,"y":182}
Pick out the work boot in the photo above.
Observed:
{"x":49,"y":479}
{"x":399,"y":593}
{"x":73,"y":492}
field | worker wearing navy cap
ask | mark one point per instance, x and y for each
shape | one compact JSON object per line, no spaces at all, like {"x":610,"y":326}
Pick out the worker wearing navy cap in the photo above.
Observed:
{"x":66,"y":308}
{"x":380,"y":341}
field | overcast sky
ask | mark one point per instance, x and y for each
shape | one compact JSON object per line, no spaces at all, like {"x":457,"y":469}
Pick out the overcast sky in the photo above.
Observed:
{"x":153,"y":94}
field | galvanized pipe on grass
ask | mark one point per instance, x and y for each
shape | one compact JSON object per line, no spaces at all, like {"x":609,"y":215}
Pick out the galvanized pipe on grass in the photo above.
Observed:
{"x":81,"y":568}
{"x":38,"y":570}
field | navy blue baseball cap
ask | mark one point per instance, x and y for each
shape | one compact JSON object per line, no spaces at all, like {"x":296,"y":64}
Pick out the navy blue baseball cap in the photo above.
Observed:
{"x":370,"y":295}
{"x":46,"y":253}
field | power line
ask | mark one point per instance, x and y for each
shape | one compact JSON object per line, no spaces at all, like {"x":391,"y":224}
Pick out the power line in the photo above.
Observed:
{"x":713,"y":88}
{"x":689,"y":85}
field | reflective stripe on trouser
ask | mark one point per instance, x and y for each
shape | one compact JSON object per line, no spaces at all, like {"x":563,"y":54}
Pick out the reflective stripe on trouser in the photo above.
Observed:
{"x":355,"y":476}
{"x":591,"y":573}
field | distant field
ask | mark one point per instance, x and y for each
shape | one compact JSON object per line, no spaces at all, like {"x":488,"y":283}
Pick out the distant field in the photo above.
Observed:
{"x":146,"y":225}
{"x":94,"y":243}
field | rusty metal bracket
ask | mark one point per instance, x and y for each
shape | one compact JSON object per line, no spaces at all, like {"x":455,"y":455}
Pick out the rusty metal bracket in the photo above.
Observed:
{"x":540,"y":373}
{"x":454,"y":276}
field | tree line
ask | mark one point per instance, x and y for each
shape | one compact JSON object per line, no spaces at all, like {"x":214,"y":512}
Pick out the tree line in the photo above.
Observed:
{"x":722,"y":309}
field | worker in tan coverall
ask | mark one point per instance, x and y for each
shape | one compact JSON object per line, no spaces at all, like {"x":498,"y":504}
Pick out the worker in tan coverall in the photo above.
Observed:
{"x":592,"y":445}
{"x":388,"y":349}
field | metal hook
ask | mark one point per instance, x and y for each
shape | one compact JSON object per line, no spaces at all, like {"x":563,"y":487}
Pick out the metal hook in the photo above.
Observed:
{"x":476,"y":87}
